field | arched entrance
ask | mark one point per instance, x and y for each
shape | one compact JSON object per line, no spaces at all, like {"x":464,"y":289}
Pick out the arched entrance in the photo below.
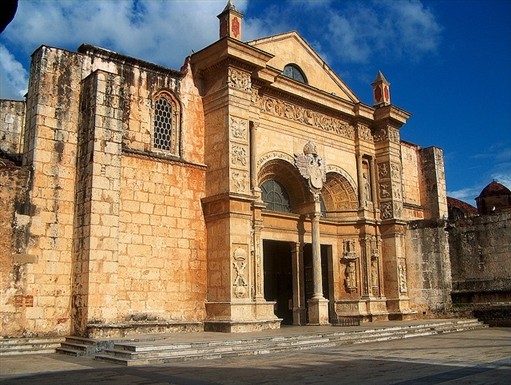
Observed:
{"x":287,"y":237}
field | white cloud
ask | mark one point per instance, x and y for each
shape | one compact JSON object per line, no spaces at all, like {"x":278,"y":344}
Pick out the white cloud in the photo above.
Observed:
{"x":466,"y":194}
{"x":364,"y":29}
{"x":163,"y":32}
{"x":13,"y":77}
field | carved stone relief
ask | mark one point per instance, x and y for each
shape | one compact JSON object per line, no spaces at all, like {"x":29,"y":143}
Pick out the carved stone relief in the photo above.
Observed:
{"x":366,"y":178}
{"x":364,"y":133}
{"x":239,"y":265}
{"x":383,"y":170}
{"x":386,"y":210}
{"x":239,"y":155}
{"x":397,"y":192}
{"x":274,"y":155}
{"x":312,"y":167}
{"x":239,"y":128}
{"x":303,"y":115}
{"x":402,"y":278}
{"x":394,"y":171}
{"x":348,"y":249}
{"x":350,"y":282}
{"x":240,"y":180}
{"x":374,"y":272}
{"x":385,"y":190}
{"x":239,"y":79}
{"x":387,"y":133}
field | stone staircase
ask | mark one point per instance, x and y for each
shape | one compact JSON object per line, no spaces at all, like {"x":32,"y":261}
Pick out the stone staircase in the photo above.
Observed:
{"x":151,"y":352}
{"x":78,"y":346}
{"x":17,"y":346}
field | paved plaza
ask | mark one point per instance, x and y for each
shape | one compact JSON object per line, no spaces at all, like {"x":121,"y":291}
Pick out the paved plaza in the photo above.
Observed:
{"x":470,"y":357}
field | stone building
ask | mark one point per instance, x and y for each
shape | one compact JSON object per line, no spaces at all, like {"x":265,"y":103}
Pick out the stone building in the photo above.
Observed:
{"x":480,"y":253}
{"x":249,"y":189}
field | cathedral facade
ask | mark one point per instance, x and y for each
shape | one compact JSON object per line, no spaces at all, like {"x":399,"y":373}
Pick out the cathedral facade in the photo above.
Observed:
{"x":250,"y":189}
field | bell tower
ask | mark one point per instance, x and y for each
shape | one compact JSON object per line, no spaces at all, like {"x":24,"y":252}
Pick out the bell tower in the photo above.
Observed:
{"x":230,"y":22}
{"x":381,"y":90}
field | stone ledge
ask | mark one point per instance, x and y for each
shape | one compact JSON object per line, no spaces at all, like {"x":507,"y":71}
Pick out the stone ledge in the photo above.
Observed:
{"x":133,"y":328}
{"x":241,"y":326}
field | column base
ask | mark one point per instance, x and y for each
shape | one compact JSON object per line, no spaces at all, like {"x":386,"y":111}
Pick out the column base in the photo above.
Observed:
{"x":299,"y":316}
{"x":240,"y":317}
{"x":367,"y":309}
{"x":399,"y":309}
{"x":318,"y":312}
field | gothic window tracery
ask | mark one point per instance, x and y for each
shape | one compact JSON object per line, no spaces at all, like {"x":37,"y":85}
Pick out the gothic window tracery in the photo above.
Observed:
{"x":166,"y":125}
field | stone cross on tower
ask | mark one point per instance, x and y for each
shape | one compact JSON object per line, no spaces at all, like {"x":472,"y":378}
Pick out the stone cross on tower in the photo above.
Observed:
{"x":381,"y":90}
{"x":230,"y":22}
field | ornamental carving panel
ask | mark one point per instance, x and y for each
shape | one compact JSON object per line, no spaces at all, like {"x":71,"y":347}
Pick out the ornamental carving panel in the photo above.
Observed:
{"x":240,"y":181}
{"x":389,"y":133}
{"x":239,"y":155}
{"x":386,"y":210}
{"x":274,"y":155}
{"x":385,"y":190}
{"x":239,"y":128}
{"x":394,"y":171}
{"x":306,"y":116}
{"x":239,"y":266}
{"x":402,"y":278}
{"x":239,"y":79}
{"x":364,"y":133}
{"x":383,"y":170}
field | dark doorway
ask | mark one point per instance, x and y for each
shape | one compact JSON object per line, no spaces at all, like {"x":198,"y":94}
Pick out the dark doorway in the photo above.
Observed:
{"x":308,"y":274}
{"x":278,"y":278}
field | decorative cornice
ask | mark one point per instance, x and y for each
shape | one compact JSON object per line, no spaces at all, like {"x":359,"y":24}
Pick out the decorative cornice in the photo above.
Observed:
{"x":277,"y":107}
{"x":165,"y":158}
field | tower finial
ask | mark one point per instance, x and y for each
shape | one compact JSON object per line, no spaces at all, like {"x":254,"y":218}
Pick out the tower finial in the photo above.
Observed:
{"x":381,"y":90}
{"x":230,"y":22}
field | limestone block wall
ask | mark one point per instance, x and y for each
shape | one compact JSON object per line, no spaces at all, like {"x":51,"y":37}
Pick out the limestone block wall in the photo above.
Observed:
{"x":162,"y":241}
{"x":46,"y":216}
{"x":480,"y":250}
{"x":12,"y":115}
{"x":433,"y":185}
{"x":14,"y":297}
{"x":428,"y":267}
{"x":411,"y":181}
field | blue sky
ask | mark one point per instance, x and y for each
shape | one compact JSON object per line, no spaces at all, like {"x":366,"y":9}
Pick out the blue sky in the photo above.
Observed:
{"x":449,"y":62}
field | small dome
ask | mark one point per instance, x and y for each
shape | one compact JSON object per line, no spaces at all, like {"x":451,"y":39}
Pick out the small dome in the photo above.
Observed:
{"x":494,"y":189}
{"x":494,"y":198}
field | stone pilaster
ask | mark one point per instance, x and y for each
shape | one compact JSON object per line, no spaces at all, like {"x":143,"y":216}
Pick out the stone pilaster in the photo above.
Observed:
{"x":232,"y":206}
{"x":98,"y":202}
{"x":388,"y":121}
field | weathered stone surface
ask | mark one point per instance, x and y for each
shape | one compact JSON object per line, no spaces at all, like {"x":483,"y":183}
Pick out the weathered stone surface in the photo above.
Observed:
{"x":141,"y":196}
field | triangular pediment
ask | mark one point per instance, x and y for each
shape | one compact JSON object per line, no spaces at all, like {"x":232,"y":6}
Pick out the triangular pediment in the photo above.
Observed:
{"x":291,"y":48}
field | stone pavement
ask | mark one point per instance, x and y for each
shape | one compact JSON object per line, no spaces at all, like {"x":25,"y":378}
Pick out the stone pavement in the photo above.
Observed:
{"x":471,"y":357}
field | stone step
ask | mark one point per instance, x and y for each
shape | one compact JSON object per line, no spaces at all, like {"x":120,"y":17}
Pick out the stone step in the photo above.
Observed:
{"x":16,"y":346}
{"x":141,"y":353}
{"x":80,"y":346}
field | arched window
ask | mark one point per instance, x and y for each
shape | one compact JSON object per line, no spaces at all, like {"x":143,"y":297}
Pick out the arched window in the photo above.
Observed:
{"x":294,"y":72}
{"x":166,"y":124}
{"x":275,"y":196}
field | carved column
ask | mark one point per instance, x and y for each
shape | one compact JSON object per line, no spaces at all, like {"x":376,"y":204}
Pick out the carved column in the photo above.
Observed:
{"x":365,"y":245}
{"x":316,"y":252}
{"x":318,"y":305}
{"x":361,"y":194}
